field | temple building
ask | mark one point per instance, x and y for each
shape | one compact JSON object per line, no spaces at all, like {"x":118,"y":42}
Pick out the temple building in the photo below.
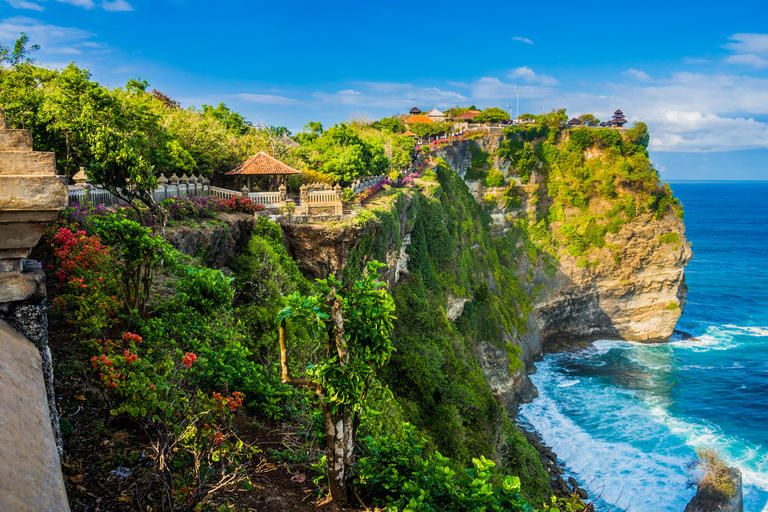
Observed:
{"x":617,"y":120}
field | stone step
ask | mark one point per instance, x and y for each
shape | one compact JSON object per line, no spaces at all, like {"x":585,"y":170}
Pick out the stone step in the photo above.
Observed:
{"x":27,"y":163}
{"x":15,"y":140}
{"x":32,"y":193}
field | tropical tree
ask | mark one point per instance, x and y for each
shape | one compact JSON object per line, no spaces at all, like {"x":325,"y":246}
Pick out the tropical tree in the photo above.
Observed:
{"x":491,"y":115}
{"x":354,"y":325}
{"x":10,"y":58}
{"x":589,"y":120}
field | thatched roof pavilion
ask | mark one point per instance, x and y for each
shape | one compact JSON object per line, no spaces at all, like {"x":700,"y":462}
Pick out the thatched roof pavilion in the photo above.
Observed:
{"x":263,"y":164}
{"x":574,"y":122}
{"x":415,"y":111}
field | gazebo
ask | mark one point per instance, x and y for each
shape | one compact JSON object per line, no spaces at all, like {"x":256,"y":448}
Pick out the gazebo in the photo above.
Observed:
{"x":263,"y":164}
{"x":415,"y":111}
{"x":409,"y":133}
{"x":574,"y":122}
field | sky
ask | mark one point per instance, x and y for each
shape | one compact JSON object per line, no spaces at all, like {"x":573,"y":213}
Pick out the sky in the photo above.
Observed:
{"x":696,"y":73}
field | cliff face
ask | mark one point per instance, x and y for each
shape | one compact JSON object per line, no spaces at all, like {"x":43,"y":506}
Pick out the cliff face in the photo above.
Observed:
{"x":639,"y":297}
{"x":635,"y":290}
{"x":508,"y":287}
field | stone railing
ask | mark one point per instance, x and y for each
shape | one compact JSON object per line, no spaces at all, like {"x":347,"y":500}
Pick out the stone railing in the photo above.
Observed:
{"x":224,"y":193}
{"x":271,"y":199}
{"x":360,"y":185}
{"x":192,"y":186}
{"x":320,"y":199}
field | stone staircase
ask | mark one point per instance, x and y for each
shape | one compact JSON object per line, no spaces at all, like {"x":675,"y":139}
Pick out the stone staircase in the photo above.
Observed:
{"x":31,"y":196}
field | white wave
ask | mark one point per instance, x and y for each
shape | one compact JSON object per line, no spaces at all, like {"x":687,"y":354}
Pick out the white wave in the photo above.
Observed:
{"x":622,"y":473}
{"x":751,"y":458}
{"x":565,"y":383}
{"x":749,"y":331}
{"x":714,"y":338}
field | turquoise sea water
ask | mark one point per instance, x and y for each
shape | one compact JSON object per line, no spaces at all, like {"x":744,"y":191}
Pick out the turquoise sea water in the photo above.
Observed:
{"x":625,"y":417}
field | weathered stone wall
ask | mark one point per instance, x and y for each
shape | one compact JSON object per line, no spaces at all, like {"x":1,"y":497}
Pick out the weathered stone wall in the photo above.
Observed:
{"x":31,"y":195}
{"x":30,"y":473}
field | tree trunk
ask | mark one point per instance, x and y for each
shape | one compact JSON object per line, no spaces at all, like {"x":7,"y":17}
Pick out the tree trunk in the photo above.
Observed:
{"x":339,"y":430}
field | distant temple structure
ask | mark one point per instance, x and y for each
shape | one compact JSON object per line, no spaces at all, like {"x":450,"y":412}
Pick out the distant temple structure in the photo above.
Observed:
{"x":617,"y":120}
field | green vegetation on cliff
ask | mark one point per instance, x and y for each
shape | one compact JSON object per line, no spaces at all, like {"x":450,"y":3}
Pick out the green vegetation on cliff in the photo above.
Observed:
{"x":435,"y":375}
{"x":594,"y":179}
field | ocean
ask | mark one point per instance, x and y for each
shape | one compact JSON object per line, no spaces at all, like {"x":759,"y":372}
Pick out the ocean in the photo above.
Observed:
{"x":626,"y":418}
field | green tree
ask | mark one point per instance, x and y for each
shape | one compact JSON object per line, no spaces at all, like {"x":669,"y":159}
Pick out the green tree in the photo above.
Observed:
{"x":354,"y":325}
{"x":589,"y":120}
{"x":390,"y":125}
{"x":231,"y":120}
{"x":491,"y":115}
{"x":10,"y":58}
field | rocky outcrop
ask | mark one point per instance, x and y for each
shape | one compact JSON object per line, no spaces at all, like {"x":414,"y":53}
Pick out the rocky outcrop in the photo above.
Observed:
{"x":216,"y":244}
{"x":30,"y":474}
{"x":637,"y":297}
{"x":321,"y":249}
{"x":708,"y":499}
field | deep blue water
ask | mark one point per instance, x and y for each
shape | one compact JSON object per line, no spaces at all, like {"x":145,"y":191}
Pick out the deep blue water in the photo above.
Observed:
{"x":626,"y":417}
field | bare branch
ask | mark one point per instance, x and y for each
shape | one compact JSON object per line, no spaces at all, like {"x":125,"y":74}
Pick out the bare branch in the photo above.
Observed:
{"x":286,"y":378}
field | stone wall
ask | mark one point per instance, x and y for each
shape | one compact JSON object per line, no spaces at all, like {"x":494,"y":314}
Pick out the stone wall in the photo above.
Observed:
{"x":30,"y":474}
{"x":31,"y":195}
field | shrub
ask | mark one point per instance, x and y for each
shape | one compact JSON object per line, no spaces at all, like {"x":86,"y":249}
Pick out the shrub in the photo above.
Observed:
{"x":88,"y":287}
{"x":205,"y":290}
{"x":196,"y":450}
{"x":669,"y":238}
{"x":242,"y":204}
{"x":717,"y":476}
{"x":137,"y":254}
{"x":182,"y":208}
{"x":494,"y":179}
{"x":400,"y":473}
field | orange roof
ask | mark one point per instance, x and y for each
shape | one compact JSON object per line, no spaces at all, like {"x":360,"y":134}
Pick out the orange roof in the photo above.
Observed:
{"x":419,"y":119}
{"x":469,"y":114}
{"x":409,"y":133}
{"x":262,"y":163}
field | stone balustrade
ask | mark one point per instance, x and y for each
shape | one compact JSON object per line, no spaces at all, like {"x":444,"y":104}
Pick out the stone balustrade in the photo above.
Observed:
{"x":320,"y":199}
{"x":366,"y":183}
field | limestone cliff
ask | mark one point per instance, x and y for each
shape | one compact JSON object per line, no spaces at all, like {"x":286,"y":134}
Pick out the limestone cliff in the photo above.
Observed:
{"x":634,"y":288}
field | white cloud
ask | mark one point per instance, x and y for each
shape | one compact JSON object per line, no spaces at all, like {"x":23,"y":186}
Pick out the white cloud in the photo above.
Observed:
{"x":52,"y":39}
{"x":532,"y":77}
{"x":748,"y":43}
{"x":692,"y":60}
{"x":687,"y":112}
{"x":23,"y":4}
{"x":747,"y":59}
{"x":116,"y":6}
{"x":393,"y":96}
{"x":88,"y":4}
{"x":522,"y":39}
{"x":268,"y":99}
{"x":638,"y":75}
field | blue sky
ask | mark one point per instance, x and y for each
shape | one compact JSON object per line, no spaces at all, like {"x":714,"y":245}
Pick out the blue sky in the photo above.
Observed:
{"x":696,"y":73}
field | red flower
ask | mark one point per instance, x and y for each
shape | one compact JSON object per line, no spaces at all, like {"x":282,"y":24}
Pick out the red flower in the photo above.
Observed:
{"x":189,"y":358}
